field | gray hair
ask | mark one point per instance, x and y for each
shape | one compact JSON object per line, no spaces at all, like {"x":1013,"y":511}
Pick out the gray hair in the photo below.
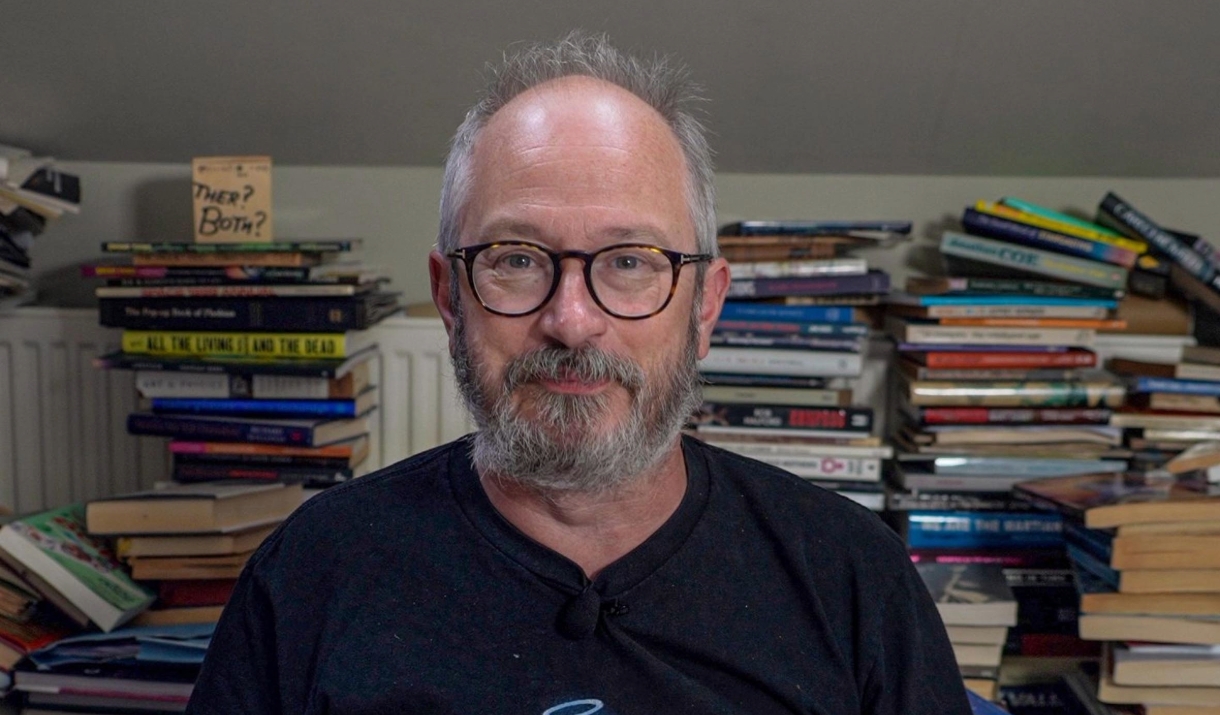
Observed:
{"x":662,"y":85}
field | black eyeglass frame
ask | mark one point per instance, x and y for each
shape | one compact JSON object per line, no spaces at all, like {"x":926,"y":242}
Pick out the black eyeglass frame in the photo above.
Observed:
{"x":677,"y":259}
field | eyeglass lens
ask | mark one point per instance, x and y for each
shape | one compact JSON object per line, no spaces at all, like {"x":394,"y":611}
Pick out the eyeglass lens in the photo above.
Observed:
{"x":629,"y":281}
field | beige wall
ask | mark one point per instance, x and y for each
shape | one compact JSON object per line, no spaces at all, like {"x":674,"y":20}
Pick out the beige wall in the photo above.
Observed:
{"x":394,"y":210}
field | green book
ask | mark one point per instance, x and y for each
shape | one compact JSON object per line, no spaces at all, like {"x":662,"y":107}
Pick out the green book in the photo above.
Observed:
{"x":54,"y":547}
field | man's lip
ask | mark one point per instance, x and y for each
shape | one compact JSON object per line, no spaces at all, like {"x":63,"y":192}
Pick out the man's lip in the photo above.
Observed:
{"x":572,"y":386}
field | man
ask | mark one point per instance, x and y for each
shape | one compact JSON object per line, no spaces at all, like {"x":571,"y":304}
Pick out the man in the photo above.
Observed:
{"x":577,"y":555}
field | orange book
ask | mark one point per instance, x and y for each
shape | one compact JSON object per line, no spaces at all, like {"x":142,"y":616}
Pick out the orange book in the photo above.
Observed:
{"x":1006,"y":360}
{"x":1111,"y":324}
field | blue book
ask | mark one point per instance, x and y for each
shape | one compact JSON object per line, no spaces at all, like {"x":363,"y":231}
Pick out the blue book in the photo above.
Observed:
{"x":301,"y":433}
{"x":981,"y":224}
{"x":1001,"y":299}
{"x":1090,"y":569}
{"x":734,"y":310}
{"x":1180,"y":387}
{"x":982,"y":706}
{"x":983,"y":530}
{"x":354,"y":407}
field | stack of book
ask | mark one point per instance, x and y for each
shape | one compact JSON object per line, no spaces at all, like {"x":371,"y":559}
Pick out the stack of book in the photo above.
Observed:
{"x":789,"y":349}
{"x":189,"y":542}
{"x":1143,"y":545}
{"x":254,"y":357}
{"x":1172,"y":407}
{"x":32,"y":192}
{"x":149,"y":670}
{"x":977,"y":608}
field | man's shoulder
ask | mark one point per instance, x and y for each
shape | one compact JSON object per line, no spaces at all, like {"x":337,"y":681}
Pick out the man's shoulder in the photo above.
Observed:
{"x":363,"y":507}
{"x":796,"y":508}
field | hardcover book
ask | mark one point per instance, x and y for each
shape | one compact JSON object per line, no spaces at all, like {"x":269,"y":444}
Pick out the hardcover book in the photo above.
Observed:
{"x":193,"y":509}
{"x":268,"y":346}
{"x":1009,"y":257}
{"x":57,"y":547}
{"x":239,"y":314}
{"x":305,"y":433}
{"x":1103,"y":501}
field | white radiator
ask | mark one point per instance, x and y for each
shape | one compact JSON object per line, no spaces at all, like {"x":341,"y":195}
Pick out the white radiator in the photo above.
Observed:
{"x":63,"y":434}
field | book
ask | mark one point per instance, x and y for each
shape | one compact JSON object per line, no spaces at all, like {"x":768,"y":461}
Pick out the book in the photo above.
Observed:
{"x":1100,"y":392}
{"x":18,"y":639}
{"x":241,"y":314}
{"x":1006,"y":229}
{"x":178,"y":615}
{"x":349,"y":453}
{"x":1104,"y":501}
{"x":1111,"y":324}
{"x":806,"y":397}
{"x":56,"y":546}
{"x":191,"y":472}
{"x":988,"y":311}
{"x":777,"y":361}
{"x":1204,"y":354}
{"x":771,"y":312}
{"x":1137,"y":225}
{"x":1040,"y":216}
{"x":1014,"y":434}
{"x":920,"y":480}
{"x":196,"y":508}
{"x":1180,"y":370}
{"x":1009,"y":257}
{"x":788,"y":341}
{"x":945,"y":359}
{"x":801,"y":227}
{"x":1009,"y":300}
{"x":308,"y":433}
{"x":194,"y":592}
{"x":253,"y":385}
{"x":226,"y":259}
{"x":1176,"y":386}
{"x":1133,"y":666}
{"x":234,"y":542}
{"x":790,"y":328}
{"x":781,"y":269}
{"x":1147,"y":627}
{"x":930,"y":334}
{"x":1161,"y":700}
{"x":1198,"y":456}
{"x":334,"y":408}
{"x":195,"y":247}
{"x":970,"y":594}
{"x":824,"y":468}
{"x":303,"y":290}
{"x":314,"y":346}
{"x":229,"y":275}
{"x":1010,"y":415}
{"x":859,"y":419}
{"x":812,"y":248}
{"x":938,"y":285}
{"x":270,"y":369}
{"x":871,"y":282}
{"x":149,"y":568}
{"x":915,"y":371}
{"x":934,"y":529}
{"x":977,"y":653}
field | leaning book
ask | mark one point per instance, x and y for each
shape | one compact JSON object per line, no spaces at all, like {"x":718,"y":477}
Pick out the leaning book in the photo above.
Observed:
{"x":55,"y":546}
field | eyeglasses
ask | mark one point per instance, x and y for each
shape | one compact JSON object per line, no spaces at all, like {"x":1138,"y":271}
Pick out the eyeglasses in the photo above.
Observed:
{"x":628,"y":280}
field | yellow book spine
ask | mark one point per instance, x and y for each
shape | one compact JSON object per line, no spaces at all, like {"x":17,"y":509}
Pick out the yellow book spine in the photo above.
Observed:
{"x":1100,"y":235}
{"x":315,"y":346}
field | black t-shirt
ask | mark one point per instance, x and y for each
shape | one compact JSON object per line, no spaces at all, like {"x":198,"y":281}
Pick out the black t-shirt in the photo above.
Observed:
{"x":406,"y":592}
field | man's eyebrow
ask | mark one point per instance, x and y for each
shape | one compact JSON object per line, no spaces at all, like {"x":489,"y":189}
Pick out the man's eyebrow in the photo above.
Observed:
{"x":512,"y":229}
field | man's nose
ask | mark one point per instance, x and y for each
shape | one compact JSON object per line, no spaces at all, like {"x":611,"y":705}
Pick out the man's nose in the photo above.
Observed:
{"x":572,"y":316}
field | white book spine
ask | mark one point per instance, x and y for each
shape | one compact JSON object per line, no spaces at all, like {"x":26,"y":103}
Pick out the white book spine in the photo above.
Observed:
{"x":763,"y":361}
{"x":288,"y":387}
{"x":182,"y":384}
{"x":839,"y":468}
{"x":965,"y":335}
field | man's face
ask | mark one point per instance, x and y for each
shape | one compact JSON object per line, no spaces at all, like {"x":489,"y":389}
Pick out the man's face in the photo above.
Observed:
{"x":570,"y":397}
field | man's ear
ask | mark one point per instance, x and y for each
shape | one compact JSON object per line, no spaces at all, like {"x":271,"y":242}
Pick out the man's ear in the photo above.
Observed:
{"x":440,"y":275}
{"x":715,"y":288}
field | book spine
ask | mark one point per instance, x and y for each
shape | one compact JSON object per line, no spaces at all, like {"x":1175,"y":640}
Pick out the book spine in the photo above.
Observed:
{"x":261,"y":460}
{"x":1070,"y":358}
{"x":939,"y":529}
{"x":202,"y":472}
{"x":221,"y":260}
{"x":789,"y":313}
{"x":1143,"y":227}
{"x":270,"y":345}
{"x":1035,"y":288}
{"x":1072,"y":227}
{"x":178,"y":384}
{"x":305,"y":314}
{"x":1013,"y":311}
{"x":252,"y":407}
{"x":854,"y":469}
{"x":796,"y":363}
{"x":999,"y":253}
{"x":1023,"y":558}
{"x":216,"y":430}
{"x":1016,"y":394}
{"x":778,"y":269}
{"x":785,"y":342}
{"x":1178,"y":387}
{"x":793,"y":328}
{"x":871,"y":282}
{"x":227,"y":291}
{"x":211,"y":248}
{"x":950,"y":501}
{"x":967,"y":335}
{"x":858,"y":419}
{"x":998,"y":415}
{"x":982,"y":224}
{"x":220,"y":273}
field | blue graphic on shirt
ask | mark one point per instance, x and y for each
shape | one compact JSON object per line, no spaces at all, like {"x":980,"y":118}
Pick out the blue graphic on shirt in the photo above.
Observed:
{"x":577,"y":707}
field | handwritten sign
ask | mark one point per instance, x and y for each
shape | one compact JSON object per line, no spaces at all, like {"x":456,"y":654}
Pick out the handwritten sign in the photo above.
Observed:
{"x":232,"y":198}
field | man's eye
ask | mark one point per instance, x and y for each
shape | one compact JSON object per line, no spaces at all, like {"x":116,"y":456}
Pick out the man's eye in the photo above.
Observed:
{"x":626,"y":262}
{"x":518,"y":261}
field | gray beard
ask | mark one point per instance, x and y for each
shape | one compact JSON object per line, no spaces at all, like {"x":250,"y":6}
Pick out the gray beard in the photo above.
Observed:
{"x":561,"y":447}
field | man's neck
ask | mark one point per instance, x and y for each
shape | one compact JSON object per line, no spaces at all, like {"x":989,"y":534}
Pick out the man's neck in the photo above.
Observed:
{"x":594,"y":530}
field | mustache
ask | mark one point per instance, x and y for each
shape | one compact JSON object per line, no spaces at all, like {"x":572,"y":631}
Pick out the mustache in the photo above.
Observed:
{"x":588,"y":364}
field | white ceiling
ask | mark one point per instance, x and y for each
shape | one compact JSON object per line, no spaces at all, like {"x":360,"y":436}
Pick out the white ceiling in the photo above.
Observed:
{"x":1016,"y":87}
